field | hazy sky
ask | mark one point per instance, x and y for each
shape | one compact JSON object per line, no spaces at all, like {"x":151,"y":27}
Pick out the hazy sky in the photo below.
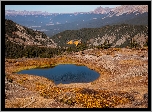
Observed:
{"x":56,"y":8}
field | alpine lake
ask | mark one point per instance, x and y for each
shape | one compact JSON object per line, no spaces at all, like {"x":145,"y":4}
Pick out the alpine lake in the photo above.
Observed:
{"x":65,"y":73}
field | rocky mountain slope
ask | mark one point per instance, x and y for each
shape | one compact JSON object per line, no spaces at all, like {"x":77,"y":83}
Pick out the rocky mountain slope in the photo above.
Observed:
{"x":21,"y":42}
{"x":24,"y":36}
{"x":101,"y":10}
{"x":138,"y":9}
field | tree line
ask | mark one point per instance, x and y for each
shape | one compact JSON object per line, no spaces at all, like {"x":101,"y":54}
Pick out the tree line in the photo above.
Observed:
{"x":13,"y":50}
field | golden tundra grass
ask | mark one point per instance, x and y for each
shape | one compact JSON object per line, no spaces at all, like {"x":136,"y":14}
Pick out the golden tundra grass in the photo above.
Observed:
{"x":86,"y":95}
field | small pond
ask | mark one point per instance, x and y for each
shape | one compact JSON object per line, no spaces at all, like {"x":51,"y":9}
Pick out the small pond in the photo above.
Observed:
{"x":65,"y":73}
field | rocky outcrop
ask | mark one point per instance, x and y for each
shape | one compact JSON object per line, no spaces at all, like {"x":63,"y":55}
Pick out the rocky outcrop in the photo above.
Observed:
{"x":127,"y":9}
{"x":101,"y":10}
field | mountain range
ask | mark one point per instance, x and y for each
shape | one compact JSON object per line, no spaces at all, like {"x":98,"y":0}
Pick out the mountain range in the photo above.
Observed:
{"x":21,"y":41}
{"x":108,"y":27}
{"x":54,"y":23}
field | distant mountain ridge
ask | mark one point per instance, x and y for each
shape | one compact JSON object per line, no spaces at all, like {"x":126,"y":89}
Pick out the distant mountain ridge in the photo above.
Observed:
{"x":14,"y":12}
{"x":58,"y":22}
{"x":101,"y":10}
{"x":119,"y":10}
{"x":138,"y":9}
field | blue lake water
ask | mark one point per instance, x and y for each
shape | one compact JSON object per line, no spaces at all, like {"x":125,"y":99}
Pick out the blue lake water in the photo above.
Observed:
{"x":65,"y":73}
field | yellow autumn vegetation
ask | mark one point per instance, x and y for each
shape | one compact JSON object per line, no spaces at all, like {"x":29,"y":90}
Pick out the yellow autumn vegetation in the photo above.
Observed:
{"x":87,"y":100}
{"x":74,"y":42}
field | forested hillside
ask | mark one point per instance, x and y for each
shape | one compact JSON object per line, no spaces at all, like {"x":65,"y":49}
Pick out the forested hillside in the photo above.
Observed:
{"x":117,"y":35}
{"x":21,"y":41}
{"x":24,"y":42}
